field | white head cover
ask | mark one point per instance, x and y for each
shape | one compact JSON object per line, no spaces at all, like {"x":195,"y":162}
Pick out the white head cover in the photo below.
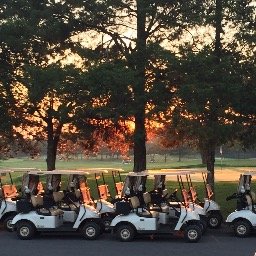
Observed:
{"x":50,"y":186}
{"x":140,"y":188}
{"x":247,"y":187}
{"x":127,"y":191}
{"x":160,"y":185}
{"x":27,"y":190}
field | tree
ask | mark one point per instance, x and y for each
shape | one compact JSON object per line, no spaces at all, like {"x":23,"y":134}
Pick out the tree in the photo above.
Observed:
{"x":141,"y":54}
{"x":34,"y":35}
{"x":49,"y":104}
{"x":244,"y":106}
{"x":5,"y":124}
{"x":211,"y":76}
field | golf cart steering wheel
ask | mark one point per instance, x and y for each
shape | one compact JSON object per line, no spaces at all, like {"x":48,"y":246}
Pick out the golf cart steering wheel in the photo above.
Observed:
{"x":70,"y":200}
{"x":173,"y":196}
{"x":233,"y":196}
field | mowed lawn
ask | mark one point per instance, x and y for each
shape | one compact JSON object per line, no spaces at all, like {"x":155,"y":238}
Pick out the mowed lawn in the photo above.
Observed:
{"x":227,"y":173}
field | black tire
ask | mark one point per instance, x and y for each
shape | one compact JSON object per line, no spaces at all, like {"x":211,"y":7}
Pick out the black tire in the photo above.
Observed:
{"x":192,"y":233}
{"x":214,"y":220}
{"x":242,"y":228}
{"x":7,"y":223}
{"x":125,"y":233}
{"x":25,"y":230}
{"x":91,"y":230}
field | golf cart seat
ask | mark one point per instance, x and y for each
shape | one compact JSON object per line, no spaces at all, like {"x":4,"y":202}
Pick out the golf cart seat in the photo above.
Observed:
{"x":148,"y":201}
{"x":140,"y":211}
{"x":38,"y":202}
{"x":58,"y":196}
{"x":250,"y":202}
{"x":66,"y":202}
{"x":253,"y":196}
{"x":10,"y":191}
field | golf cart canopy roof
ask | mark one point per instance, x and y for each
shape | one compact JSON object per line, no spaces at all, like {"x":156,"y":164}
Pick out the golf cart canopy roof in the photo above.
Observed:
{"x":164,"y":172}
{"x":186,"y":170}
{"x":18,"y":170}
{"x":101,"y":170}
{"x":3,"y":172}
{"x":108,"y":169}
{"x":252,"y":173}
{"x":138,"y":174}
{"x":95,"y":170}
{"x":66,"y":172}
{"x":170,"y":172}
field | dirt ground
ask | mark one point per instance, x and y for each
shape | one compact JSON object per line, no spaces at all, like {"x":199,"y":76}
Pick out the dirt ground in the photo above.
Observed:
{"x":223,"y":174}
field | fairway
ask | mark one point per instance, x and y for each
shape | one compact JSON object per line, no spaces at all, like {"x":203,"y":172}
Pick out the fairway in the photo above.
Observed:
{"x":221,"y":166}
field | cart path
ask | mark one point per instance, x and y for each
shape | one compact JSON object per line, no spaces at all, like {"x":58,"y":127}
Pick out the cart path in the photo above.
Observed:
{"x":214,"y":242}
{"x":221,"y":174}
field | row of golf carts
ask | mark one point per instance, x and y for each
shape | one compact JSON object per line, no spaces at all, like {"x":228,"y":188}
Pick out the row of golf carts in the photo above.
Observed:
{"x":61,"y":201}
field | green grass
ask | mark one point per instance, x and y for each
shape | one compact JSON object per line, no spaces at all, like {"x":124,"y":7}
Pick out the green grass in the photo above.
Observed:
{"x":222,"y":189}
{"x":172,"y":162}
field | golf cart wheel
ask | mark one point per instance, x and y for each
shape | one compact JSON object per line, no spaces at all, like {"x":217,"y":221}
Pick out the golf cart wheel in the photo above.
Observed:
{"x":125,"y":233}
{"x":242,"y":228}
{"x":192,"y":233}
{"x":214,"y":220}
{"x":90,"y":230}
{"x":7,"y":223}
{"x":25,"y":230}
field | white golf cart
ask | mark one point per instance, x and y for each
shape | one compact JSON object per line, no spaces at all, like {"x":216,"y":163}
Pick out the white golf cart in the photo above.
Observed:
{"x":173,"y":199}
{"x":146,"y":219}
{"x":40,"y":214}
{"x":9,"y":195}
{"x":102,"y":204}
{"x":211,"y":209}
{"x":243,"y":219}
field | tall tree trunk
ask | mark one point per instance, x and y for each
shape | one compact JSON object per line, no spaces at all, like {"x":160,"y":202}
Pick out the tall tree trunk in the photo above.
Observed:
{"x":139,"y":90}
{"x":210,"y":161}
{"x":203,"y":157}
{"x":207,"y":146}
{"x":207,"y":149}
{"x":53,"y":138}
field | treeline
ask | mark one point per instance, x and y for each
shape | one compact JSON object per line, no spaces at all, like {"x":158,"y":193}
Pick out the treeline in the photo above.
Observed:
{"x":112,"y":71}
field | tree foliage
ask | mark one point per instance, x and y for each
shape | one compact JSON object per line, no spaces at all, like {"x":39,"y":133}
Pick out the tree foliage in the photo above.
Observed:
{"x":212,"y":76}
{"x":189,"y":63}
